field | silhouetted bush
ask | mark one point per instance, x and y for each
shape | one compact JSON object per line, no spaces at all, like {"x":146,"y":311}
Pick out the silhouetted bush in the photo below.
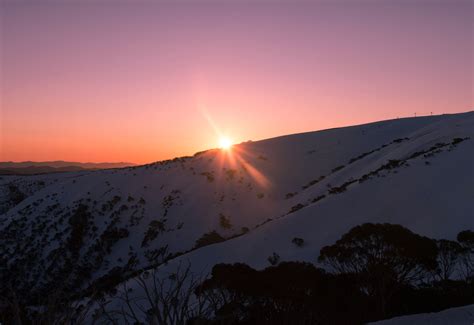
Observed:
{"x":459,"y":140}
{"x":318,"y":198}
{"x":154,"y":228}
{"x":298,"y":241}
{"x":210,"y":238}
{"x":466,"y":238}
{"x":337,"y":168}
{"x":79,"y":225}
{"x":230,"y":174}
{"x":209,"y":176}
{"x":224,"y":221}
{"x":274,"y":259}
{"x":289,"y":195}
{"x":15,"y":196}
{"x":296,"y":207}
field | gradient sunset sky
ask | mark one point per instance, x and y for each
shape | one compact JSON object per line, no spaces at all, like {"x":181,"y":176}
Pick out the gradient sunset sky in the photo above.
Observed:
{"x":141,"y":81}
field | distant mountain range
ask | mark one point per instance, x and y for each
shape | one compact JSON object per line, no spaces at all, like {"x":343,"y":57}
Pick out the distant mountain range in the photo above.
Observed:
{"x":44,"y":167}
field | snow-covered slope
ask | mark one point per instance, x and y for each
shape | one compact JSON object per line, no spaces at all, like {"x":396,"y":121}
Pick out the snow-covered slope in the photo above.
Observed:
{"x":453,"y":316}
{"x":417,"y":172}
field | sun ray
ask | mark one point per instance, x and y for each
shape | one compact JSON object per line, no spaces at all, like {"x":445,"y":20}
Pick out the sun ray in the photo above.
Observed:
{"x":225,"y":143}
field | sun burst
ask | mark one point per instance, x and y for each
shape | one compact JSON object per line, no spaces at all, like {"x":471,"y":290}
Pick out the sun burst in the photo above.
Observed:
{"x":225,"y":143}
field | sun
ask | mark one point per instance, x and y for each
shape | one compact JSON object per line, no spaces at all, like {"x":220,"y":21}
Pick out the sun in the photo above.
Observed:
{"x":225,"y":143}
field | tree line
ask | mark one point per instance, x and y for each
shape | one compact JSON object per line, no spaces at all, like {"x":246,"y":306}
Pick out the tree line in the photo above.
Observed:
{"x":373,"y":272}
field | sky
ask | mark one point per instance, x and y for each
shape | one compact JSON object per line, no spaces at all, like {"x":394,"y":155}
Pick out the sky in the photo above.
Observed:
{"x":141,"y":81}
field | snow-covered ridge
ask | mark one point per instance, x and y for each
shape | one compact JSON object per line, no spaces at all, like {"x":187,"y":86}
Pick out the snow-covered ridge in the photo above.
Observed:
{"x":416,"y":172}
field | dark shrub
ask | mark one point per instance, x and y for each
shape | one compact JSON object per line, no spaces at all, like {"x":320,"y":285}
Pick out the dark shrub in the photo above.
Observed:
{"x":79,"y":226}
{"x":209,"y":238}
{"x":14,"y":194}
{"x":154,"y":228}
{"x":466,"y":238}
{"x":296,"y":207}
{"x":289,"y":195}
{"x":224,"y":221}
{"x":274,"y":259}
{"x":298,"y":241}
{"x":337,"y":168}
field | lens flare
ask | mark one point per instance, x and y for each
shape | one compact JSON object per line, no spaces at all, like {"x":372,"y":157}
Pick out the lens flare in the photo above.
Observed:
{"x":225,"y":143}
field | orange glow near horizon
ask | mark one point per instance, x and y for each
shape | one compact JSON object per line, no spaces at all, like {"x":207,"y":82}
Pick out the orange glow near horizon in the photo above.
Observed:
{"x":99,"y":82}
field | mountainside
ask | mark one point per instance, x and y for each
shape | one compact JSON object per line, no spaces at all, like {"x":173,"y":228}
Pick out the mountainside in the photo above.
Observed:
{"x":91,"y":229}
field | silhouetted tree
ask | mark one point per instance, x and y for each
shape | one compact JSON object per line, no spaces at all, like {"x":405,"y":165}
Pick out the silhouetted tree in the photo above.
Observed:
{"x":384,"y":257}
{"x":290,"y":293}
{"x":466,"y":239}
{"x":449,"y":253}
{"x":160,"y":299}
